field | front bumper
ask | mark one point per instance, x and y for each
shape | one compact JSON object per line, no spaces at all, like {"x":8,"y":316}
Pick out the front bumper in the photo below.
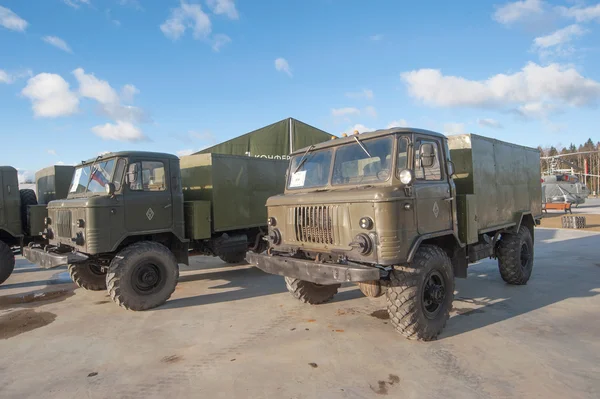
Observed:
{"x":49,"y":260}
{"x":319,"y":273}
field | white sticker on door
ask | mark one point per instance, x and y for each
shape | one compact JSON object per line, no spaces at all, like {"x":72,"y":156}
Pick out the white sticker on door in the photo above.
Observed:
{"x":298,"y":179}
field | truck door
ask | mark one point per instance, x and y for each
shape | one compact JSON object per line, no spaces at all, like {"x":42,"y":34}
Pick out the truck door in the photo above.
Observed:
{"x":432,"y":189}
{"x":148,"y":205}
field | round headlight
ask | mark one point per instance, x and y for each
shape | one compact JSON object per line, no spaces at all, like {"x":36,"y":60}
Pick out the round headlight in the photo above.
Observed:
{"x":272,"y":221}
{"x":366,"y":223}
{"x":406,"y":177}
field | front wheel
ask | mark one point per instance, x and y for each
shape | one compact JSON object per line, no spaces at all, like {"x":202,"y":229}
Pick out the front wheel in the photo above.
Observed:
{"x":7,"y":262}
{"x":515,"y":257}
{"x":310,"y":293}
{"x":419,"y":297}
{"x":142,"y":276}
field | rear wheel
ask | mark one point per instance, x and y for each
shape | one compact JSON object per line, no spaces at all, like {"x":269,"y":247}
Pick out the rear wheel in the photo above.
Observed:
{"x":7,"y":262}
{"x":233,"y":257}
{"x":419,"y":298}
{"x":28,"y":198}
{"x":311,"y":293}
{"x":515,"y":257}
{"x":88,"y":276}
{"x":142,"y":276}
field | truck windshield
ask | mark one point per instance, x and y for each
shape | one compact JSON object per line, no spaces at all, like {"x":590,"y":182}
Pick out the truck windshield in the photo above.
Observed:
{"x":88,"y":180}
{"x":354,"y":165}
{"x":314,"y":170}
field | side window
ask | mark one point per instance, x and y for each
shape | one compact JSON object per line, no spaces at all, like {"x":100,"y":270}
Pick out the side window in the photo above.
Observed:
{"x":147,"y":176}
{"x":119,"y":170}
{"x":432,"y":173}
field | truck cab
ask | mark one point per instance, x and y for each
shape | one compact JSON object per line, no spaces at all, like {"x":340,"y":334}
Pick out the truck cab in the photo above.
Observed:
{"x":381,"y":209}
{"x":121,"y":227}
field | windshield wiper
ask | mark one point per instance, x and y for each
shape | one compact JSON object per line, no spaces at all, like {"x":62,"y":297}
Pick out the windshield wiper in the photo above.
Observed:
{"x":303,"y":159}
{"x":362,"y":146}
{"x":93,"y":171}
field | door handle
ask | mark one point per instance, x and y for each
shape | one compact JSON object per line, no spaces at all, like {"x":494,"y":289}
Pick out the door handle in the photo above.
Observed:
{"x":449,"y":199}
{"x":167,"y":206}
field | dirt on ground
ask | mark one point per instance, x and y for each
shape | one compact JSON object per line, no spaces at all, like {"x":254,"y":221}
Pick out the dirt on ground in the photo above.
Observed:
{"x":553,"y":219}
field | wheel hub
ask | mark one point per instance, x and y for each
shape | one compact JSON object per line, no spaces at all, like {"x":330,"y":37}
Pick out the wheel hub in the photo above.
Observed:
{"x":434,"y":294}
{"x":147,"y":278}
{"x":150,"y":277}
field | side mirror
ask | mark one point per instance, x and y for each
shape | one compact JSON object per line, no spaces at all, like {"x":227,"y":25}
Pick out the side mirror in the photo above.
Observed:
{"x":451,"y":169}
{"x":132,"y":173}
{"x":427,"y":155}
{"x":110,"y":189}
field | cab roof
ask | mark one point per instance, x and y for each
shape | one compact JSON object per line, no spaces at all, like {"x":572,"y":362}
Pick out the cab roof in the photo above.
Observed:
{"x":369,"y":135}
{"x":137,"y":154}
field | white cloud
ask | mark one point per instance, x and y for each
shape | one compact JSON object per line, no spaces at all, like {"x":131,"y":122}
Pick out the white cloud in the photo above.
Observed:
{"x":559,"y":37}
{"x":344,"y":111}
{"x":365,"y":93}
{"x":184,"y":153}
{"x":12,"y":21}
{"x":454,"y":128}
{"x":58,"y":43}
{"x":551,"y":84}
{"x":50,"y":96}
{"x":397,"y":123}
{"x":376,"y":37}
{"x":282,"y":65}
{"x":51,"y":152}
{"x":518,"y":10}
{"x":76,"y":3}
{"x":371,"y":111}
{"x":122,"y":131}
{"x":226,"y":7}
{"x":132,"y":3}
{"x":128,"y":92}
{"x":5,"y":77}
{"x":92,"y":87}
{"x":360,"y":128}
{"x":187,"y":16}
{"x":537,"y":110}
{"x":488,"y":122}
{"x":25,"y":176}
{"x":581,"y":14}
{"x":220,"y":40}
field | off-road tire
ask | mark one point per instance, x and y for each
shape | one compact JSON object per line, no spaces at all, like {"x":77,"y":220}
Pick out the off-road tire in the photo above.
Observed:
{"x":125,"y":277}
{"x":7,"y":262}
{"x":28,"y":198}
{"x":87,"y":276}
{"x":372,"y":289}
{"x":233,"y":257}
{"x":406,"y":303}
{"x":514,"y":268}
{"x":311,"y":293}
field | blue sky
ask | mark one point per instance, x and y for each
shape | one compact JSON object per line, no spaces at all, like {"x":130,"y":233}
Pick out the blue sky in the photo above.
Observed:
{"x":80,"y":77}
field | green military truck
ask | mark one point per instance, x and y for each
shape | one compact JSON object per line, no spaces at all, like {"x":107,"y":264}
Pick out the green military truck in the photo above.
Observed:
{"x":402,"y":212}
{"x":131,"y":217}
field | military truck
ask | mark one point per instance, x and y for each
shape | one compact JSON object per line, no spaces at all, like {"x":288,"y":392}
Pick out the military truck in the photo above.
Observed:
{"x":131,"y":218}
{"x":20,"y":218}
{"x":402,"y":212}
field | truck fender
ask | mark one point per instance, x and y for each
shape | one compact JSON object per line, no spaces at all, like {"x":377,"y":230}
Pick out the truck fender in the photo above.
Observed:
{"x":450,"y":243}
{"x":526,"y":219}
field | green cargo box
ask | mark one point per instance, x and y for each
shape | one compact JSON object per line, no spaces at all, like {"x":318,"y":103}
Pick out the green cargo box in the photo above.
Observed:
{"x":237,"y":187}
{"x":496,"y":182}
{"x":53,"y":183}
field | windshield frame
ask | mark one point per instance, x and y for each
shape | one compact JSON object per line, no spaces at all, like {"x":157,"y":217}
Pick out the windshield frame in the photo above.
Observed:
{"x":392,"y":178}
{"x":93,"y":165}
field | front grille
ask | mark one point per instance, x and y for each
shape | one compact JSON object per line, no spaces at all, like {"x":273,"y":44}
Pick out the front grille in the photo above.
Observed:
{"x":63,"y":224}
{"x":314,"y":224}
